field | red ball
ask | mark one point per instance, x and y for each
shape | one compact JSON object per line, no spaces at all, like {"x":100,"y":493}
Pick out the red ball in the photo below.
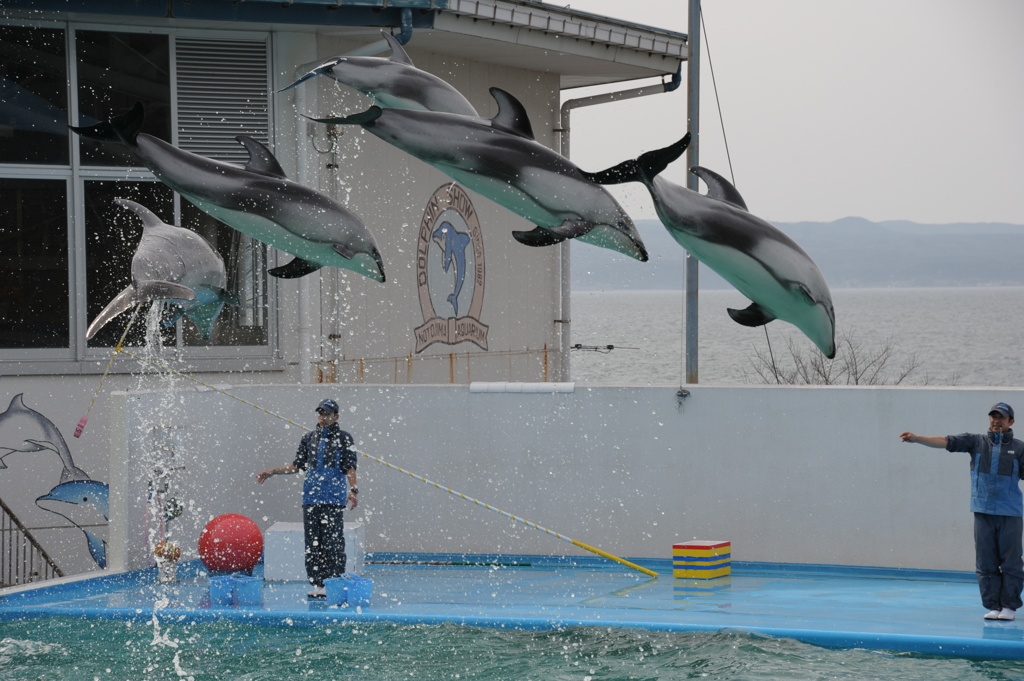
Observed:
{"x":230,"y":542}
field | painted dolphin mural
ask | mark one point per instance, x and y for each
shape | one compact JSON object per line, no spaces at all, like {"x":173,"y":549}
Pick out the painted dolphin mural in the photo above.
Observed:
{"x":257,"y":200}
{"x":756,"y":257}
{"x":26,"y":430}
{"x":86,"y":504}
{"x":453,"y":244}
{"x":499,"y":158}
{"x":173,"y":264}
{"x":394,"y":82}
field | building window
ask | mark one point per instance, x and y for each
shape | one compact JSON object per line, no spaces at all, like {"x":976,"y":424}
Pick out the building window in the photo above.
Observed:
{"x":199,"y":91}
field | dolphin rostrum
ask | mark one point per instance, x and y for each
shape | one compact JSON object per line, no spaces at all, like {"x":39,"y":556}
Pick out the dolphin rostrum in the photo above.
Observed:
{"x":173,"y":264}
{"x":500,"y":159}
{"x":86,"y":504}
{"x":26,"y":430}
{"x":753,"y":255}
{"x":257,"y":200}
{"x":393,"y":83}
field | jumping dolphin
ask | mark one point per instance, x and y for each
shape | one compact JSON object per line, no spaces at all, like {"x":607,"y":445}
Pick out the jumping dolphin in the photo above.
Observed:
{"x":175,"y":264}
{"x":500,"y":159}
{"x":85,"y":503}
{"x":454,"y":244}
{"x":393,"y":83}
{"x":26,"y":430}
{"x":257,"y":200}
{"x":756,"y":257}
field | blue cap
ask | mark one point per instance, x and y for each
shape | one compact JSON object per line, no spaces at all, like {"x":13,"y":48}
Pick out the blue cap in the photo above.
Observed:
{"x":1002,"y":408}
{"x":327,"y":407}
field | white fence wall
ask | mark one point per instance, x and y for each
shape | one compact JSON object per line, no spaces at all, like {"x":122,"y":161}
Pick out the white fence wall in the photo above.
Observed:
{"x":805,"y":475}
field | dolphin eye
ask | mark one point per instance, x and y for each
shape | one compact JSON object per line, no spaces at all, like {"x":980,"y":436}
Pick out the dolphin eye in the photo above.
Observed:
{"x":85,"y":498}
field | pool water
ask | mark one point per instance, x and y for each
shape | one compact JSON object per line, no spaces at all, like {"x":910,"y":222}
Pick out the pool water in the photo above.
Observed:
{"x":72,"y":649}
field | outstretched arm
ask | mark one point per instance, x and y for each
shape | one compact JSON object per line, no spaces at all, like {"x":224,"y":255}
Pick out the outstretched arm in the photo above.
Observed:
{"x":283,"y":470}
{"x":936,"y":441}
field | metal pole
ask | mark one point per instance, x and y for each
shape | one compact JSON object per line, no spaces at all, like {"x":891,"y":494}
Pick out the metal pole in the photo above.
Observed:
{"x":564,"y":131}
{"x":693,"y":158}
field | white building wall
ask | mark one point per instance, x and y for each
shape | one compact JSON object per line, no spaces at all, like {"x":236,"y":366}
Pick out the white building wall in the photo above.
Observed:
{"x":803,"y":475}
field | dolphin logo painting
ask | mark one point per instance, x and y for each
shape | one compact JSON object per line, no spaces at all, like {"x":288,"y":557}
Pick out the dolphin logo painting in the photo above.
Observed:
{"x":257,"y":200}
{"x":500,"y":159}
{"x":174,"y":264}
{"x":26,"y":430}
{"x":753,"y":255}
{"x":86,"y":504}
{"x":454,"y":244}
{"x":393,"y":83}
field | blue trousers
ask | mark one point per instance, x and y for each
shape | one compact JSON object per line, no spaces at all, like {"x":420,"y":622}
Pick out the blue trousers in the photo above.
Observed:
{"x":997,"y":552}
{"x":324,"y":530}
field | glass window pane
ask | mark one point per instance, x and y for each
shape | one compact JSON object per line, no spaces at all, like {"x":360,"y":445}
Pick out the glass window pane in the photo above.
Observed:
{"x":112,"y":235}
{"x":115,"y":70}
{"x":245,"y":260}
{"x":34,"y":264}
{"x":33,"y":96}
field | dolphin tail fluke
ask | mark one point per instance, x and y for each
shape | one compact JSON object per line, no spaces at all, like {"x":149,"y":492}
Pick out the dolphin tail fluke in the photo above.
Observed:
{"x":119,"y":129}
{"x":295,"y":269}
{"x":537,"y":237}
{"x":642,"y":169}
{"x":364,"y":118}
{"x":203,"y":316}
{"x":122,"y":302}
{"x":754,"y":315}
{"x":453,"y":299}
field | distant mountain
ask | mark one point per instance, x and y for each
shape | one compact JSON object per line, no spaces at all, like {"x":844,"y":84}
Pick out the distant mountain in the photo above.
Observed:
{"x":851,"y":252}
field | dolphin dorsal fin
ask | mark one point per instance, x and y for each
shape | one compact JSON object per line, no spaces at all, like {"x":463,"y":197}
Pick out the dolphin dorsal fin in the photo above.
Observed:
{"x":719,"y":187}
{"x":149,"y":219}
{"x":512,"y":116}
{"x":260,"y":159}
{"x":17,"y":404}
{"x":398,"y":53}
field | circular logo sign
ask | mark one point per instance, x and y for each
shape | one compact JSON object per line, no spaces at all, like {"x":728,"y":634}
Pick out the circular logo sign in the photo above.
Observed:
{"x":450,"y":271}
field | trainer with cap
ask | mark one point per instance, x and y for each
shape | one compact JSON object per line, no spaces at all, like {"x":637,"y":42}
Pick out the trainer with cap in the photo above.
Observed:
{"x":997,"y":465}
{"x":327,"y":456}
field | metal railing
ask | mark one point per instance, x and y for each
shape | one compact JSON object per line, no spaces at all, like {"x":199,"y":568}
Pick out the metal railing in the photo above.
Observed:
{"x":22,"y":559}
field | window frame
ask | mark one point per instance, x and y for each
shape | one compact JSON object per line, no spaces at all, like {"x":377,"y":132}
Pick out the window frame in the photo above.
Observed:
{"x":78,"y":357}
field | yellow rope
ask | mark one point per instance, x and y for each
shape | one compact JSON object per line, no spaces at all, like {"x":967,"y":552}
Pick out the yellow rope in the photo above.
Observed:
{"x":117,"y":348}
{"x":586,"y":547}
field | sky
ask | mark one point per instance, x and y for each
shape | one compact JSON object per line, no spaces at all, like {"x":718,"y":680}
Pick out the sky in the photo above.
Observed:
{"x":882,"y":109}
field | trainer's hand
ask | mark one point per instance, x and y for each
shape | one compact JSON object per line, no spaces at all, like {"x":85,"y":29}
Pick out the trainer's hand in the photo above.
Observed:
{"x":908,"y":437}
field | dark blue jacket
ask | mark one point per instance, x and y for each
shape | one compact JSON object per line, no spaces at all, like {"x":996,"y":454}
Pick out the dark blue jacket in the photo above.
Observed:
{"x":997,"y":464}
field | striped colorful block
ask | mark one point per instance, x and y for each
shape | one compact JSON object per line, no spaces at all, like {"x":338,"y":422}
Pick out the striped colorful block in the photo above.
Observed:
{"x":702,"y":559}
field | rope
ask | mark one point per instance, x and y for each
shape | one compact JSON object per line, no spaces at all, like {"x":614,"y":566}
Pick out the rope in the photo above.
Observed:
{"x":714,"y":84}
{"x":117,"y":348}
{"x":586,"y":547}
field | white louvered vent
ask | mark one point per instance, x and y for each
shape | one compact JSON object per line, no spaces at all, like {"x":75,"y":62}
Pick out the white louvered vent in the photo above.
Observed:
{"x":223,"y":91}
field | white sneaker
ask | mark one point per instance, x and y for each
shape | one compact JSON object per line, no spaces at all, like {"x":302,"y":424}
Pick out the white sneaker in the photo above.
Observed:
{"x":320,"y":592}
{"x":990,"y":615}
{"x":1007,"y":614}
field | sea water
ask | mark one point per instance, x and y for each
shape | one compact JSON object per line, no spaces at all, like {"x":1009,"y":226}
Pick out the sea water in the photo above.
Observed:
{"x":73,"y":649}
{"x":957,"y":336}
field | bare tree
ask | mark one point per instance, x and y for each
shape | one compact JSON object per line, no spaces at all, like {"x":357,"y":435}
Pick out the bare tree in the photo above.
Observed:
{"x":855,"y":363}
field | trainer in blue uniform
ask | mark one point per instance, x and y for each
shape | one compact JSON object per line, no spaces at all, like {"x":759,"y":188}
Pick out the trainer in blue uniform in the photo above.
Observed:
{"x":327,"y":456}
{"x":997,"y":465}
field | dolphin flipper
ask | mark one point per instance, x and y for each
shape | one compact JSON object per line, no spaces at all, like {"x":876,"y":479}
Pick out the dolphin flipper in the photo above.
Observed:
{"x":121,"y":303}
{"x":97,"y":548}
{"x":642,"y":169}
{"x":203,"y":317}
{"x":537,"y":237}
{"x":121,"y":129}
{"x":363,"y":118}
{"x":344,"y":251}
{"x":260,"y":159}
{"x":323,"y":68}
{"x":163,"y":290}
{"x":719,"y":188}
{"x":295,"y":269}
{"x":398,"y":53}
{"x":754,"y":315}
